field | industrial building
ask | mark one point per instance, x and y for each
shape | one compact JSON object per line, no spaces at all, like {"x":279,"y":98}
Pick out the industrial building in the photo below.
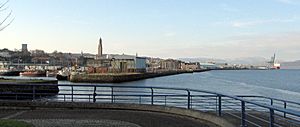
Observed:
{"x":115,"y":63}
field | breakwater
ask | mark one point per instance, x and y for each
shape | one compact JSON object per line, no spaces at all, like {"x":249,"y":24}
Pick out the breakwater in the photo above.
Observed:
{"x":121,"y":77}
{"x":12,"y":88}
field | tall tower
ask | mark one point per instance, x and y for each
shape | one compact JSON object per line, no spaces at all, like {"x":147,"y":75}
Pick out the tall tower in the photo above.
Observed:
{"x":100,"y":48}
{"x":24,"y":48}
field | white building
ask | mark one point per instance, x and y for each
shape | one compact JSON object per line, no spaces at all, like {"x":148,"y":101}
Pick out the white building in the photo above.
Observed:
{"x":5,"y":54}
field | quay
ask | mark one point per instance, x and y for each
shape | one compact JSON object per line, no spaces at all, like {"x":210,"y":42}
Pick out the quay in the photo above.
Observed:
{"x":24,"y":88}
{"x":124,"y":77}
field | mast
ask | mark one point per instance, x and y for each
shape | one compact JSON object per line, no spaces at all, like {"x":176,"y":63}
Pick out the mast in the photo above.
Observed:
{"x":274,"y":59}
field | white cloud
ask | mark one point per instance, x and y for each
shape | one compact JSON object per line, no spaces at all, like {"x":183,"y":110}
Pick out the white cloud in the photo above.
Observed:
{"x":169,"y":34}
{"x":80,"y":22}
{"x":286,"y":1}
{"x":285,"y":45}
{"x":228,"y":8}
{"x":240,"y":24}
{"x":290,"y":2}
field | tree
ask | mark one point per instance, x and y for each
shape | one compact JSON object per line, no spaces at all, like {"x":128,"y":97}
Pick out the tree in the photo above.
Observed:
{"x":6,"y":21}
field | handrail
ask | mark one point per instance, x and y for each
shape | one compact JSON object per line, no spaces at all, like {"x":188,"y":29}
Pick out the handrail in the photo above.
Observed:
{"x":153,"y":91}
{"x":195,"y":90}
{"x":237,"y":97}
{"x":288,"y":101}
{"x":155,"y":87}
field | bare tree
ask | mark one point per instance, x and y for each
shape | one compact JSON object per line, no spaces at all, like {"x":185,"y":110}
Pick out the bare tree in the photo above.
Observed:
{"x":6,"y":21}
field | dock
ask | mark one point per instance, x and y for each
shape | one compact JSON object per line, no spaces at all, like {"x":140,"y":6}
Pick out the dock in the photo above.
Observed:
{"x":24,"y":88}
{"x":124,"y":77}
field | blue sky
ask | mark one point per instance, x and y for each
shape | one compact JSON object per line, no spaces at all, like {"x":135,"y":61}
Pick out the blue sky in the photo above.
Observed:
{"x":158,"y":28}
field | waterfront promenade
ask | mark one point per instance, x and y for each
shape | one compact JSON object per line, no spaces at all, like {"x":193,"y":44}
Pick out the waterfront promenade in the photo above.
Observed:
{"x":101,"y":117}
{"x":209,"y":107}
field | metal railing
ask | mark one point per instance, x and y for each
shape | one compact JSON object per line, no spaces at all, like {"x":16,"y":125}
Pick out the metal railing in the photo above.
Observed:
{"x":245,"y":110}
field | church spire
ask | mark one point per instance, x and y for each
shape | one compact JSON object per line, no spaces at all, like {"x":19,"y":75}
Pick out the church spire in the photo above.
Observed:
{"x":100,"y":49}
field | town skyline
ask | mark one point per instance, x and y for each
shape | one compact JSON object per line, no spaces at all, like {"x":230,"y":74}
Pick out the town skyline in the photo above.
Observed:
{"x":166,"y":29}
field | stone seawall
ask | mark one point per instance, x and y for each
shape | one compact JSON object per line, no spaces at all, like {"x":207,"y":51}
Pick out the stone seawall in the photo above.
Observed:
{"x":120,"y":77}
{"x":24,"y":89}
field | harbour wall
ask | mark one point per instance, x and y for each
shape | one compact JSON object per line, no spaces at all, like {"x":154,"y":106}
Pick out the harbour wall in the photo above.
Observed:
{"x":122,"y":77}
{"x":25,"y":89}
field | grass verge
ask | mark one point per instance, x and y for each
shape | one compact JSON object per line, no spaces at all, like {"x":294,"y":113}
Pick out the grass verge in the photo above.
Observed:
{"x":14,"y":123}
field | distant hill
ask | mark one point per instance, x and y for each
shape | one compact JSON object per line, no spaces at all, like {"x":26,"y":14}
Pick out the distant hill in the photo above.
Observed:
{"x":246,"y":60}
{"x":199,"y":59}
{"x":260,"y":61}
{"x":291,"y":65}
{"x":249,"y":61}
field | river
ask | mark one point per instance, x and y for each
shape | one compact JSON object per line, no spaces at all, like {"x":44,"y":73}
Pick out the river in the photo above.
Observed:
{"x":282,"y":84}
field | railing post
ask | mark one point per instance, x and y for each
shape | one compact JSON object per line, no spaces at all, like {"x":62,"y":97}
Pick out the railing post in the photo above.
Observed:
{"x":33,"y":92}
{"x":165,"y":100}
{"x":112,"y":94}
{"x":243,"y":115}
{"x":271,"y":101}
{"x":140,"y":100}
{"x":191,"y":104}
{"x":220,"y":105}
{"x":94,"y":95}
{"x":271,"y":124}
{"x":189,"y":99}
{"x":151,"y":96}
{"x":216,"y":104}
{"x":72,"y":96}
{"x":284,"y":114}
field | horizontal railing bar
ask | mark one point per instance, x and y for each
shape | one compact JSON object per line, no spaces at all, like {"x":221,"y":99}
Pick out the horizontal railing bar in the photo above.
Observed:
{"x":245,"y":119}
{"x":290,"y":120}
{"x":120,"y":86}
{"x":258,"y":118}
{"x":159,"y":93}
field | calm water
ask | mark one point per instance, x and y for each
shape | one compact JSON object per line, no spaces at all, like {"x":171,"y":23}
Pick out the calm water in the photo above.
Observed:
{"x":283,"y":84}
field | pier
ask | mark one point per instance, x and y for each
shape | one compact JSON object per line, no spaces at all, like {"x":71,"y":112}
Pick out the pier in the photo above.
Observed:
{"x":24,"y":88}
{"x":123,"y":77}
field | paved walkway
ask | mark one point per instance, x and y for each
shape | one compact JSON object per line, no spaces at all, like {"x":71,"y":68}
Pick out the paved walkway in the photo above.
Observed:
{"x":100,"y":117}
{"x":79,"y":123}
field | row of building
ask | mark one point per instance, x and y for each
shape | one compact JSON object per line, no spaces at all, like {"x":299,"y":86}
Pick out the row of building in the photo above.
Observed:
{"x":91,"y":63}
{"x":133,"y":63}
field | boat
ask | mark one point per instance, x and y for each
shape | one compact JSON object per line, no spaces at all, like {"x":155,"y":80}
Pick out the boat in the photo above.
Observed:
{"x":9,"y":73}
{"x":261,"y":68}
{"x":51,"y":74}
{"x":273,"y":65}
{"x":63,"y":75}
{"x":33,"y":73}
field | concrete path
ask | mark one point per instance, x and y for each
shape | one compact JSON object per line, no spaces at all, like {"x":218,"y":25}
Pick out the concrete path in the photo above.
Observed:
{"x":101,"y":118}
